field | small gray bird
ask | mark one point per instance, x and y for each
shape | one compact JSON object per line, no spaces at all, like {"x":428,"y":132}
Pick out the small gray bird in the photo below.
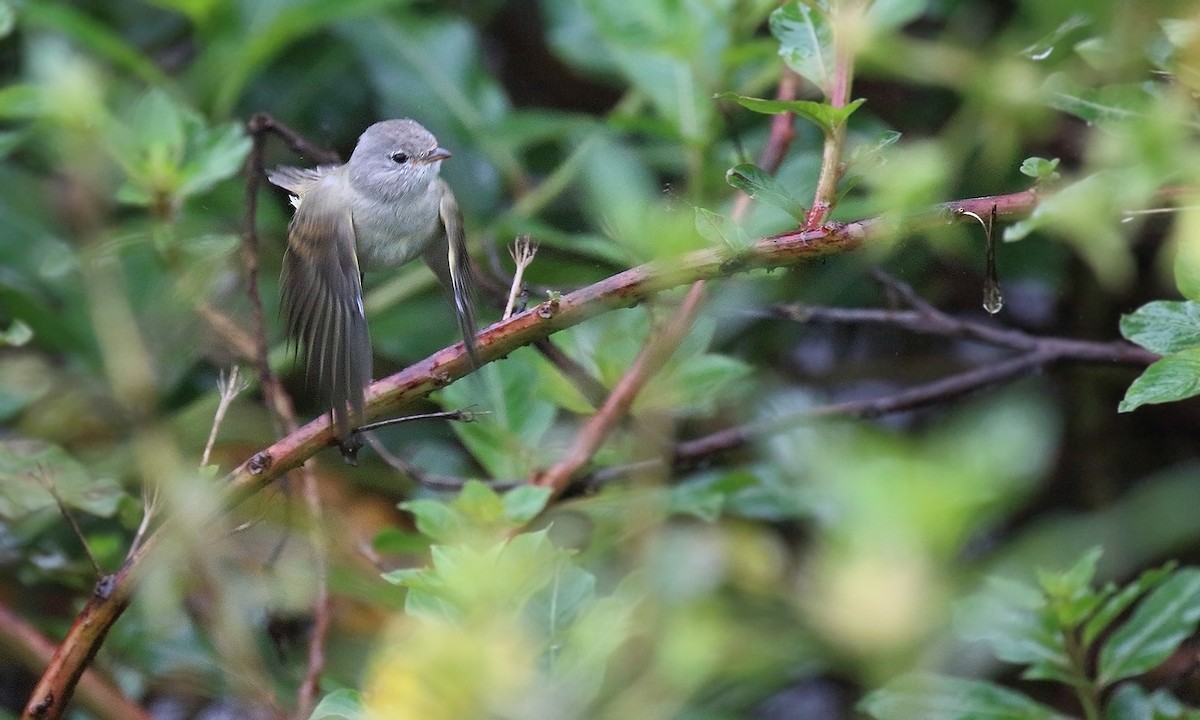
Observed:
{"x":378,"y":211}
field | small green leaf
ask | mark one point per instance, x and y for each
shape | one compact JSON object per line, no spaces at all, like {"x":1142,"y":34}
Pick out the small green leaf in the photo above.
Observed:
{"x":1174,"y":377}
{"x":339,"y":705}
{"x":217,"y":155}
{"x":1014,"y":621}
{"x":805,"y":41}
{"x":568,"y":590}
{"x":763,"y":186}
{"x":436,"y":519}
{"x":823,"y":115}
{"x":479,"y":504}
{"x":1074,"y":581}
{"x":523,"y":503}
{"x":1164,"y":326}
{"x":706,"y":500}
{"x":1167,"y":616}
{"x":1118,"y":602}
{"x":508,"y":442}
{"x":871,"y":151}
{"x":933,"y":697}
{"x":1040,"y":169}
{"x":717,"y":228}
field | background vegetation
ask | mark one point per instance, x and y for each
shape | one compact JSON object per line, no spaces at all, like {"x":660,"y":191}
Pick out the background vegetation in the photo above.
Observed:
{"x":848,"y":491}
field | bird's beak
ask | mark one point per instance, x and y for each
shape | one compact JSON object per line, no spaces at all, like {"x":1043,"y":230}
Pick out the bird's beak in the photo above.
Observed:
{"x":440,"y":153}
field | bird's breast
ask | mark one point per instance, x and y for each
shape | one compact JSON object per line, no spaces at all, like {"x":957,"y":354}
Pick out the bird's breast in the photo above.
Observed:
{"x":390,"y":233}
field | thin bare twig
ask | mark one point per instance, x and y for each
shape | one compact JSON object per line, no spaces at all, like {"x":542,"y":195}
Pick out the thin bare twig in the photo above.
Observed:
{"x":523,"y":251}
{"x":48,"y":484}
{"x":228,"y":388}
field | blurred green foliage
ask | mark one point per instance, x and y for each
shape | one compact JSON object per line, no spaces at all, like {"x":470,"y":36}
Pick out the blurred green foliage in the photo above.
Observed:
{"x":809,"y":567}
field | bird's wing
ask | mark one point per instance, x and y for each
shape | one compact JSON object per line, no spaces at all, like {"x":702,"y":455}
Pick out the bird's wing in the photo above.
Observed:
{"x":322,"y":299}
{"x":298,"y":181}
{"x":452,"y":265}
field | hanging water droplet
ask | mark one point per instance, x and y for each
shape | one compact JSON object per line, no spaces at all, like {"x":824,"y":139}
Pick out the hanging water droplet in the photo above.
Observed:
{"x":993,"y":301}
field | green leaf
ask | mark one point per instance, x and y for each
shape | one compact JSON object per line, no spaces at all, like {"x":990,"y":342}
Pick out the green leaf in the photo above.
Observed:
{"x":1131,"y":702}
{"x":1167,"y":616}
{"x":478,"y":504}
{"x":339,"y":705}
{"x":1117,"y":603}
{"x":718,"y":229}
{"x":555,"y":606}
{"x":523,"y":503}
{"x":436,"y":519}
{"x":823,"y":115}
{"x":215,"y":155}
{"x":1071,"y":597}
{"x":1174,"y":377}
{"x":1074,"y":581}
{"x":27,"y":466}
{"x":694,"y":385}
{"x":763,"y":186}
{"x":1164,"y":326}
{"x":805,"y":42}
{"x":705,"y":499}
{"x":671,"y":51}
{"x":1014,"y":621}
{"x":932,"y":697}
{"x":1040,"y":169}
{"x":508,"y":441}
{"x":1106,"y":104}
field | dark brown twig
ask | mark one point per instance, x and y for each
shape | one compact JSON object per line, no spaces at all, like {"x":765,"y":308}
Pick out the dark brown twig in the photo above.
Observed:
{"x":48,"y":484}
{"x":277,"y":398}
{"x":1034,"y":353}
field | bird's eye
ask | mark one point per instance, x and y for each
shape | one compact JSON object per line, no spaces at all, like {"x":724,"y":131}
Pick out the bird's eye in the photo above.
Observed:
{"x":400,"y":157}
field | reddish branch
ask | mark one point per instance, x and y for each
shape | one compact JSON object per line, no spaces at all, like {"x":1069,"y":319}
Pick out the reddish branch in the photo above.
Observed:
{"x":33,"y":649}
{"x":659,"y":345}
{"x":657,"y":350}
